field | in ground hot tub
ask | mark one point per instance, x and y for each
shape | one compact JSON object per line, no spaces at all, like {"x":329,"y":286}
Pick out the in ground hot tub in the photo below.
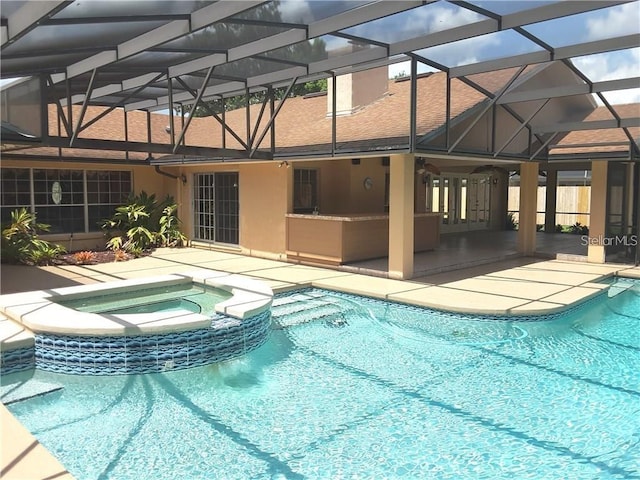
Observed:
{"x":144,"y":325}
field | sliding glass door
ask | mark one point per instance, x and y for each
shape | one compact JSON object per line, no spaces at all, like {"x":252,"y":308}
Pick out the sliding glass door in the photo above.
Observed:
{"x":217,"y":207}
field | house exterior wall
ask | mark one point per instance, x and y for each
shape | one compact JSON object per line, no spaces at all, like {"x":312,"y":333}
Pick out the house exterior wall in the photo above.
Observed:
{"x":342,"y":188}
{"x":144,"y":178}
{"x":263,"y":197}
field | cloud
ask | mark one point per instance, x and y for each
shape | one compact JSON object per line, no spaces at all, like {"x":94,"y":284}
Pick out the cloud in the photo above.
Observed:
{"x":404,"y":68}
{"x":612,"y":66}
{"x":621,"y":20}
{"x":464,"y":52}
{"x":415,"y":23}
{"x":440,"y":18}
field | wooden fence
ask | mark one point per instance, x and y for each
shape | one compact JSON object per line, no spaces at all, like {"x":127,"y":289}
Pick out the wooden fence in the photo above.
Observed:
{"x":572,"y":204}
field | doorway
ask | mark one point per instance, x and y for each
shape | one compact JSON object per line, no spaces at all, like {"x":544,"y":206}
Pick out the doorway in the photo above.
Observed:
{"x":463,"y":200}
{"x":623,"y":211}
{"x":217,"y":207}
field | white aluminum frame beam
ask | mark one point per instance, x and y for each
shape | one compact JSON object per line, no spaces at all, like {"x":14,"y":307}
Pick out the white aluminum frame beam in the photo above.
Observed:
{"x":170,"y":31}
{"x":347,"y":19}
{"x":568,"y":90}
{"x":491,"y":25}
{"x":27,"y":17}
{"x":363,"y":14}
{"x":592,"y":125}
{"x":554,"y":10}
{"x":587,"y":48}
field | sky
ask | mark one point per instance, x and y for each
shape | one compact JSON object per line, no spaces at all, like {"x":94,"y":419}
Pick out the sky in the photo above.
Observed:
{"x":601,"y":24}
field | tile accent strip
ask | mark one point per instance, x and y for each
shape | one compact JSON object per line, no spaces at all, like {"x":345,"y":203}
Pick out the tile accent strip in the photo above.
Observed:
{"x":17,"y":360}
{"x":102,"y":355}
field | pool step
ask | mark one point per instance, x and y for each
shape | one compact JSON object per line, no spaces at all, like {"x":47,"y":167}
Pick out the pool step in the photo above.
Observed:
{"x":621,"y":285}
{"x":24,"y":390}
{"x":305,"y":310}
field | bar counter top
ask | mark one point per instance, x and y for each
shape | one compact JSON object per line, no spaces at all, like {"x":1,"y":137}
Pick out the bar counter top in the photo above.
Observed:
{"x":355,"y":217}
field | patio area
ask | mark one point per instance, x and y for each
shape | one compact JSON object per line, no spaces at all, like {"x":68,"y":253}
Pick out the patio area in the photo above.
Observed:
{"x":463,"y":250}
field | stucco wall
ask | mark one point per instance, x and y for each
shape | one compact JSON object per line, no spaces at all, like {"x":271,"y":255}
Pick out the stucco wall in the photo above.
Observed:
{"x":342,"y":185}
{"x":263,"y":204}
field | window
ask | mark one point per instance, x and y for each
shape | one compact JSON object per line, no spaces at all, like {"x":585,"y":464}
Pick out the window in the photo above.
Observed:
{"x":305,"y":190}
{"x":16,"y":191}
{"x":106,"y":190}
{"x":70,"y":201}
{"x":66,"y":213}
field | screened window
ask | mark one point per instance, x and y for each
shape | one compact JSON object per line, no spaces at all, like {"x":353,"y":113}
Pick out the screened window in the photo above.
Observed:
{"x":16,"y":191}
{"x":305,"y":190}
{"x":70,"y":201}
{"x":106,"y":190}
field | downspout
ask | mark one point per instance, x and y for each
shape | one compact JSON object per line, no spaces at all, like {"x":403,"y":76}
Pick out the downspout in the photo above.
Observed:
{"x":182,"y":178}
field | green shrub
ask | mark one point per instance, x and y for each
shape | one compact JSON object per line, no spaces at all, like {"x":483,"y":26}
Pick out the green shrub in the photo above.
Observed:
{"x":170,"y":234}
{"x":511,"y":223}
{"x":579,"y":229}
{"x":143,"y":224}
{"x":20,"y":242}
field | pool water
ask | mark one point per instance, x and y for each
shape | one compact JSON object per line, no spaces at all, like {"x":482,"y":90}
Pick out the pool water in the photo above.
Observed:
{"x":192,"y":297}
{"x":350,"y":387}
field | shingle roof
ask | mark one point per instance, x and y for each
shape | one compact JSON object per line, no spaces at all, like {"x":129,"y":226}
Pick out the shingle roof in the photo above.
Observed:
{"x":303,"y":123}
{"x":583,"y":137}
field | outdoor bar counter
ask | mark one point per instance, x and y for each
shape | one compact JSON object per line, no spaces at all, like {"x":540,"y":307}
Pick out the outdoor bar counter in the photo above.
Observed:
{"x":337,"y":239}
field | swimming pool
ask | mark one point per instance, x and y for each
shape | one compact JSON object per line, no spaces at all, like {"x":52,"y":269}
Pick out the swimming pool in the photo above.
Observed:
{"x":350,"y":387}
{"x":190,"y":296}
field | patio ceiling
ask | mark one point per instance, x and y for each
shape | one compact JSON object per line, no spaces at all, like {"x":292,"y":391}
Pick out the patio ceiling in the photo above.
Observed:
{"x":152,"y":55}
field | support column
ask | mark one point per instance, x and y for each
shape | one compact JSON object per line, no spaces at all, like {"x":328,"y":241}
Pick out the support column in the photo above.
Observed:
{"x":551,"y":202}
{"x":528,"y":208}
{"x":598,"y":212}
{"x":401,"y":213}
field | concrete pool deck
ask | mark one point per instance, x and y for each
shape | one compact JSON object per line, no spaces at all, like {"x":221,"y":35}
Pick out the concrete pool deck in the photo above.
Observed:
{"x":516,"y":286}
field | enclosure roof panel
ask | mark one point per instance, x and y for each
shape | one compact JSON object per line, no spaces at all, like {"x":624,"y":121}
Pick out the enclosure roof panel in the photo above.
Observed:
{"x":121,"y":41}
{"x":156,"y":55}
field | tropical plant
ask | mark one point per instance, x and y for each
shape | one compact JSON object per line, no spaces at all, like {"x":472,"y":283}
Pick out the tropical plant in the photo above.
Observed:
{"x":579,"y":229}
{"x":20,"y":242}
{"x":84,"y":258}
{"x":120,"y":256}
{"x":44,"y":253}
{"x":170,"y":234}
{"x":143,"y":223}
{"x":511,"y":223}
{"x":132,"y":235}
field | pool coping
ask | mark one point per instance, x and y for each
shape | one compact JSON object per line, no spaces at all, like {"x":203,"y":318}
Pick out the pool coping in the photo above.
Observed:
{"x":40,"y":314}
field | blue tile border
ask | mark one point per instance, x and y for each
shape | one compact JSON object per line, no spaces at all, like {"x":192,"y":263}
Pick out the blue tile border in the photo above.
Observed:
{"x":102,"y":355}
{"x":17,"y":360}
